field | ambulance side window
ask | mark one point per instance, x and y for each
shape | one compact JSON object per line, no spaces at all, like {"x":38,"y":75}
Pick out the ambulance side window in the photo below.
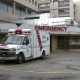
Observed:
{"x":25,"y":39}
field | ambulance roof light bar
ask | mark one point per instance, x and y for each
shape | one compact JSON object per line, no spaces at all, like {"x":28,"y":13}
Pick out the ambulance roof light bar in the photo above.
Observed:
{"x":11,"y":32}
{"x":26,"y":31}
{"x":19,"y":31}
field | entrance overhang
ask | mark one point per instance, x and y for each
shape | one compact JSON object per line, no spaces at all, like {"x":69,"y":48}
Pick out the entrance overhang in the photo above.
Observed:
{"x":65,"y":33}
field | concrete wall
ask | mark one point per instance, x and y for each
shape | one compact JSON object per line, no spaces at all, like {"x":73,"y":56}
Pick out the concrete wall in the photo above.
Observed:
{"x":54,"y":8}
{"x":27,"y":4}
{"x":77,"y":11}
{"x":71,"y":9}
{"x":54,"y":43}
{"x":55,"y":5}
{"x":8,"y":16}
{"x":55,"y":12}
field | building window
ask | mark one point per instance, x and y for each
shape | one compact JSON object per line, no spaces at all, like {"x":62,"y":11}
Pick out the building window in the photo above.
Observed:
{"x":66,"y":11}
{"x":60,"y":3}
{"x":44,"y":12}
{"x":60,"y":11}
{"x":6,"y":7}
{"x":32,"y":1}
{"x":10,"y":8}
{"x":22,"y":12}
{"x":47,"y":5}
{"x":19,"y":11}
{"x":35,"y":3}
{"x":3,"y":6}
{"x":64,"y":3}
{"x":44,"y":5}
{"x":63,"y":11}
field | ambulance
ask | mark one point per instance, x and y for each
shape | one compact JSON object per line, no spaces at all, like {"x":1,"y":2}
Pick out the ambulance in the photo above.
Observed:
{"x":24,"y":44}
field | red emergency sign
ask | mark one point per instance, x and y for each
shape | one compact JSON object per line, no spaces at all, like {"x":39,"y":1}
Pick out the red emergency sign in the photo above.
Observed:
{"x":51,"y":28}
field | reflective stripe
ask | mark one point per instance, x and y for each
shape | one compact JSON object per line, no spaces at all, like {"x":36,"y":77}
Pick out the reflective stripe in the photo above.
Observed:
{"x":39,"y":39}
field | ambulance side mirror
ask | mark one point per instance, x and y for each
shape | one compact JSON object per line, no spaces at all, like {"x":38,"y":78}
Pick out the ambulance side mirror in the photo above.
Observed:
{"x":27,"y":42}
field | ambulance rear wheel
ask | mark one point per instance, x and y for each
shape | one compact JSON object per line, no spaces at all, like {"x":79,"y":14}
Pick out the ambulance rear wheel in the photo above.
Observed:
{"x":20,"y":58}
{"x":43,"y":55}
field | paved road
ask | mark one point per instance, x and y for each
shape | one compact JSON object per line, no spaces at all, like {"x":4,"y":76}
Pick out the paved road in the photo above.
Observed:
{"x":57,"y":66}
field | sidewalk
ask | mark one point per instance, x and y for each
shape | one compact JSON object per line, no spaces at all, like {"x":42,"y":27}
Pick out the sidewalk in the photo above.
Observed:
{"x":76,"y":51}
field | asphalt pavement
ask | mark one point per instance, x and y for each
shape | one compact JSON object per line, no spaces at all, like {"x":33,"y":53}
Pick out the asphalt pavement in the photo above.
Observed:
{"x":59,"y":65}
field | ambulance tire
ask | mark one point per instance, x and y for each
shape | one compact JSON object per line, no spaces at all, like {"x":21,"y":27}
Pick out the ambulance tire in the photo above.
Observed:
{"x":43,"y":55}
{"x":20,"y":58}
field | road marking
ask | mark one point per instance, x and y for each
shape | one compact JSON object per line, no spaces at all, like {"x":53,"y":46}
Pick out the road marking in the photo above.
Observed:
{"x":58,"y":72}
{"x":48,"y":72}
{"x":28,"y":71}
{"x":9,"y":69}
{"x":35,"y":71}
{"x":13,"y":69}
{"x":47,"y":68}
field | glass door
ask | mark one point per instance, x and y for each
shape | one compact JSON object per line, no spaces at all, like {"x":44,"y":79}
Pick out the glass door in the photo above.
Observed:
{"x":63,"y":42}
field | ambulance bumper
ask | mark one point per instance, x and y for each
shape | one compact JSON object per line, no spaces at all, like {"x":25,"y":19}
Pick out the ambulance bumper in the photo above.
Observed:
{"x":8,"y":58}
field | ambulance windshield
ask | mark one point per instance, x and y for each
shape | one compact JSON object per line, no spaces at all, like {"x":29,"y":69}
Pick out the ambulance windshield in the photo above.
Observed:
{"x":11,"y":40}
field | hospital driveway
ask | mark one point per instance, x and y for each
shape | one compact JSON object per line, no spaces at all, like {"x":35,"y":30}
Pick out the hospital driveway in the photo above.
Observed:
{"x":59,"y":65}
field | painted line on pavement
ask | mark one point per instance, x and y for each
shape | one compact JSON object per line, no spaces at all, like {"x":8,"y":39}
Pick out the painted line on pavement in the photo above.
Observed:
{"x":35,"y":71}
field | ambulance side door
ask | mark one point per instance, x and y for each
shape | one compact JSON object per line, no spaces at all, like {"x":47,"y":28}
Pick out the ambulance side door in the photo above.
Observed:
{"x":27,"y":48}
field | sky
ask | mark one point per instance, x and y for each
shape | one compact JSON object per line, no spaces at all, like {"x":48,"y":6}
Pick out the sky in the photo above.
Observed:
{"x":76,"y":0}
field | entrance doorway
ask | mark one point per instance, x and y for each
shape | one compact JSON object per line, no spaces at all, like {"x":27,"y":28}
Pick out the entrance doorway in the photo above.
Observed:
{"x":74,"y":42}
{"x":68,"y":42}
{"x":63,"y":42}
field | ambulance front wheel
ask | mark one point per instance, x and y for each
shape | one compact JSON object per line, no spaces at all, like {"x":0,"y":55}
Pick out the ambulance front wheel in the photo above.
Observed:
{"x":43,"y":55}
{"x":20,"y":58}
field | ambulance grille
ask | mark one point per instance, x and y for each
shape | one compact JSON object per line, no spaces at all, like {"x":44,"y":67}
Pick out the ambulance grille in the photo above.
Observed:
{"x":3,"y":52}
{"x":4,"y":49}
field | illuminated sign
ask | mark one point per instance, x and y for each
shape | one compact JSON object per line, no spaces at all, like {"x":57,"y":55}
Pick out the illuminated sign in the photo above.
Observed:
{"x":51,"y":28}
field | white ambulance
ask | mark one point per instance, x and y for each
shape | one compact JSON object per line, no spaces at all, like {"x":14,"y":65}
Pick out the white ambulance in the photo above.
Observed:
{"x":24,"y":44}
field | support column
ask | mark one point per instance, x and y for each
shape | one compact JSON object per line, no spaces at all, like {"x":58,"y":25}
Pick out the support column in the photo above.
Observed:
{"x":13,"y":7}
{"x":54,"y":43}
{"x":51,"y":6}
{"x":26,"y":10}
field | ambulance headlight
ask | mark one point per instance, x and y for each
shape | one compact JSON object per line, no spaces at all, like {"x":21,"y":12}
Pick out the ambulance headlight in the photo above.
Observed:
{"x":12,"y":49}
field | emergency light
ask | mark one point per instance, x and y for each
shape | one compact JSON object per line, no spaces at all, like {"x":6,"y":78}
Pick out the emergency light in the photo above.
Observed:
{"x":19,"y":31}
